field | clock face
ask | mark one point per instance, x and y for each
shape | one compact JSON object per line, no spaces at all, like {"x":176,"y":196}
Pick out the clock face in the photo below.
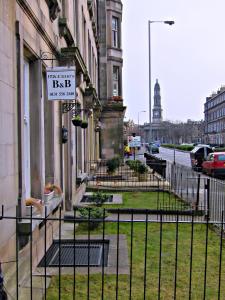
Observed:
{"x":156,"y":113}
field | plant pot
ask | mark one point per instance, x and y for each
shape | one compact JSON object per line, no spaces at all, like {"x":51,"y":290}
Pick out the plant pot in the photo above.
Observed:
{"x":48,"y":197}
{"x":29,"y":209}
{"x":76,"y":122}
{"x":84,"y":125}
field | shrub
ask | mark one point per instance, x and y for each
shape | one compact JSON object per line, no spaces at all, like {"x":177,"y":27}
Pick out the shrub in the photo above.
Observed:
{"x":128,"y":162}
{"x":185,"y":147}
{"x":94,"y":213}
{"x":219,"y":150}
{"x":134,"y":164}
{"x":179,"y":147}
{"x":99,"y":198}
{"x":142,"y":169}
{"x":113,"y":164}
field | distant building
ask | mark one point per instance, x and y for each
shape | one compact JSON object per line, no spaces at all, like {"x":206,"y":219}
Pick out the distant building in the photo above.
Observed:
{"x":157,"y":110}
{"x":155,"y":131}
{"x":214,"y":110}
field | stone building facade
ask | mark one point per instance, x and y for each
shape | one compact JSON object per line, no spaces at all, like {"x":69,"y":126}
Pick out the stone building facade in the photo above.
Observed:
{"x":110,"y":77}
{"x":214,"y":111}
{"x":37,"y":35}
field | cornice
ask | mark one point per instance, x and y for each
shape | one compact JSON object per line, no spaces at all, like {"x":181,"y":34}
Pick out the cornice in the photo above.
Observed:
{"x":74,"y":53}
{"x":113,"y":58}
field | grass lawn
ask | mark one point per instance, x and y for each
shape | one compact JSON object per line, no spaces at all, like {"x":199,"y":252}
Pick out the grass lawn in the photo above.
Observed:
{"x":149,"y":200}
{"x":168,"y":263}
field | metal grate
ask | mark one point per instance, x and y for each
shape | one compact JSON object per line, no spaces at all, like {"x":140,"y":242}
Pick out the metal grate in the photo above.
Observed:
{"x":67,"y":253}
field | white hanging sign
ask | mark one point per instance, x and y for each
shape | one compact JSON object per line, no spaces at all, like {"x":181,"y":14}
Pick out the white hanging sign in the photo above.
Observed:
{"x":61,"y":83}
{"x":134,"y":141}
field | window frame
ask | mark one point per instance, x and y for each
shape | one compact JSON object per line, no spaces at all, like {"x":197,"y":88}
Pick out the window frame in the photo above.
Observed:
{"x":115,"y":32}
{"x":116,"y":80}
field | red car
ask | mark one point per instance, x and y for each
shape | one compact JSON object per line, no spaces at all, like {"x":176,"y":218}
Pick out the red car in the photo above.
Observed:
{"x":214,"y":164}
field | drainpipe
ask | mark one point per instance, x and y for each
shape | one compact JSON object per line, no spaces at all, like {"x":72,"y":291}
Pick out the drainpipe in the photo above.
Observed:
{"x":19,"y":129}
{"x":98,"y":56}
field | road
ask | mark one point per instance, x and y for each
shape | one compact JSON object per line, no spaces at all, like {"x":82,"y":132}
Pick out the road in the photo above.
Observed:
{"x":180,"y":157}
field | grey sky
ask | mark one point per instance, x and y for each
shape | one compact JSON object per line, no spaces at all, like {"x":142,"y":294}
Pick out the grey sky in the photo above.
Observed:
{"x":188,"y":58}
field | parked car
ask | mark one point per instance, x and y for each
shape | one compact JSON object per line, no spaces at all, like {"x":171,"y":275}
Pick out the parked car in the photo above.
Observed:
{"x":214,"y":164}
{"x":153,"y":148}
{"x":198,"y":155}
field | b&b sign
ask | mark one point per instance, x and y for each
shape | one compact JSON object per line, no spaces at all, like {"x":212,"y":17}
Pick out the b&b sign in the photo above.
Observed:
{"x":61,"y":83}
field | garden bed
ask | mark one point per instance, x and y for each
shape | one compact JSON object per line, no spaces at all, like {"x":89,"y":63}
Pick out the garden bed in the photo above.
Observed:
{"x":89,"y":198}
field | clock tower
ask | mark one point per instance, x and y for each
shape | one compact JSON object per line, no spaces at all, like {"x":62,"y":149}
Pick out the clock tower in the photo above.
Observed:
{"x":157,"y":110}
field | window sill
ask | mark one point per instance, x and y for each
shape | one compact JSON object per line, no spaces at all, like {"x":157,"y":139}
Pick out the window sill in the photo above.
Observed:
{"x":81,"y":178}
{"x":25,"y":224}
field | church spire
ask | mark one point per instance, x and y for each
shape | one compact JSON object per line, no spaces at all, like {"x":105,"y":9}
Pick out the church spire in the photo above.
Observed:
{"x":157,"y":110}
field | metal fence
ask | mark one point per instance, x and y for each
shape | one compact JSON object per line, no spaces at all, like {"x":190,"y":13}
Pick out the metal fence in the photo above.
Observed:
{"x":123,"y":178}
{"x":126,"y":256}
{"x":201,"y":192}
{"x":216,"y":199}
{"x":184,"y":182}
{"x":173,"y":250}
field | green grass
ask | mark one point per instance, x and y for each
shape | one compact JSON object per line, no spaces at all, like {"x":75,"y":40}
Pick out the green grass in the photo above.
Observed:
{"x":168,"y":263}
{"x":148,"y":200}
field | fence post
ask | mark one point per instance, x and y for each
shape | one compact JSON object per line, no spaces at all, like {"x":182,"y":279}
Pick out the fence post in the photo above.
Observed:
{"x":207,"y":187}
{"x":198,"y":192}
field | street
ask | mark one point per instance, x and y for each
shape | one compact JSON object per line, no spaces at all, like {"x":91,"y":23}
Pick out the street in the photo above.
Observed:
{"x":182,"y":158}
{"x":171,"y":155}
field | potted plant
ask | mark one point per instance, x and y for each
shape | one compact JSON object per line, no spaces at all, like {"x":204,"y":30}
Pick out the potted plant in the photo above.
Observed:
{"x":84,"y":124}
{"x":33,"y":205}
{"x":76,"y":121}
{"x":50,"y":191}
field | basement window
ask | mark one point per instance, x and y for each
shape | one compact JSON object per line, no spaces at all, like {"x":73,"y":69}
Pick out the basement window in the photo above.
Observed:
{"x":66,"y":252}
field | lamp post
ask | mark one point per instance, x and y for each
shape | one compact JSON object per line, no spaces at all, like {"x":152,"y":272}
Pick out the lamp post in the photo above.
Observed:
{"x":149,"y":59}
{"x":138,"y":120}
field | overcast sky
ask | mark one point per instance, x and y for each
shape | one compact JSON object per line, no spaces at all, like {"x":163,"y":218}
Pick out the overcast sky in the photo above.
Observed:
{"x":188,"y":58}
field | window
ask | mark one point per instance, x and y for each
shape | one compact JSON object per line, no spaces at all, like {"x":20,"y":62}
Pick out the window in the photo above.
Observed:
{"x":89,"y":57}
{"x":115,"y":81}
{"x":210,"y":157}
{"x":221,"y":157}
{"x":115,"y":32}
{"x":84,"y":41}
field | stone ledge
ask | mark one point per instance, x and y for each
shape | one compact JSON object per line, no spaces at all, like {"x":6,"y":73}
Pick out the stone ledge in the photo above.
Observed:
{"x":36,"y":219}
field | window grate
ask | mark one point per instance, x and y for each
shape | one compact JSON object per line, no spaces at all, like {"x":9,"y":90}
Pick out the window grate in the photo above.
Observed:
{"x":67,"y":252}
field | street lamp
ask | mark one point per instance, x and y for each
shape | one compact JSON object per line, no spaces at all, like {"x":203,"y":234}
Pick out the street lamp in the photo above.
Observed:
{"x":149,"y":59}
{"x":138,"y":119}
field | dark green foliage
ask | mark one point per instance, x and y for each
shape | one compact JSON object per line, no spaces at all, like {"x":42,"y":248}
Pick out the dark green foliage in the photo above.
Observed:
{"x":179,"y":147}
{"x":95,"y":213}
{"x":219,"y":150}
{"x":133,"y":164}
{"x":137,"y":165}
{"x":99,"y":198}
{"x":142,"y":169}
{"x":84,"y":124}
{"x":76,"y":120}
{"x":113,"y":164}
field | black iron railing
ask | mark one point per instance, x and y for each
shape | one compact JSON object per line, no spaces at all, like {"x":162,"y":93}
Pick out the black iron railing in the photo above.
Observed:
{"x":147,"y":258}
